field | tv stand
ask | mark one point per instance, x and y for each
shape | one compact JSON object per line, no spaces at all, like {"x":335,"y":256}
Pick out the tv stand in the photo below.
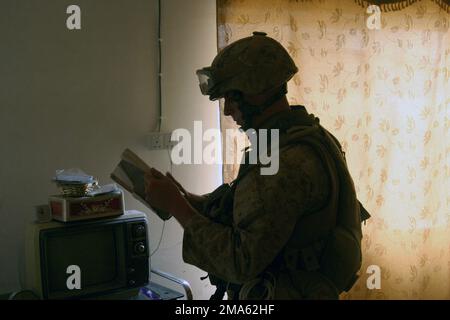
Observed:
{"x":152,"y":291}
{"x":186,"y":286}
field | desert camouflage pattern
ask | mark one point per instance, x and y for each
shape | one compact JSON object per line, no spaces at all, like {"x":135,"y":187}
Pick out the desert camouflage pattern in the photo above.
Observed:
{"x":237,"y":239}
{"x":251,"y":65}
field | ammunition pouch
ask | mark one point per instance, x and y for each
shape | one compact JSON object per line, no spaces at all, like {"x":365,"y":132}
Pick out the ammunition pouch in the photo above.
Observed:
{"x":341,"y":259}
{"x":333,"y":257}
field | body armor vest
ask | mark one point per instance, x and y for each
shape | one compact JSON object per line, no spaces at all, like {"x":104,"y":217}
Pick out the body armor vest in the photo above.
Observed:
{"x":327,"y":240}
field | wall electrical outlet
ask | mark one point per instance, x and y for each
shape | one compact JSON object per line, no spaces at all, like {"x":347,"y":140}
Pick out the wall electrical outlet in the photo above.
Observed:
{"x":159,"y":140}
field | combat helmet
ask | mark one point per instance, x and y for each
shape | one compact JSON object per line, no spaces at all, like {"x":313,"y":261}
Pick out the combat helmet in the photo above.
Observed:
{"x":250,"y":65}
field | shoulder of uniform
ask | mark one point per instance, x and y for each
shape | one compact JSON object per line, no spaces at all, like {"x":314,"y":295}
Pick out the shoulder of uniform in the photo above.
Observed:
{"x":294,"y":161}
{"x":299,"y":154}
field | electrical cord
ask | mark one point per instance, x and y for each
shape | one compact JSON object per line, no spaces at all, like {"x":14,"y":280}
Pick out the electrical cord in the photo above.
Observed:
{"x":159,"y":68}
{"x":160,"y":239}
{"x":169,"y":151}
{"x":164,"y":223}
{"x":160,"y":106}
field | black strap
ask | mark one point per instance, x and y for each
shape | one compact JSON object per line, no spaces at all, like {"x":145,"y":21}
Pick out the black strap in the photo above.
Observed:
{"x":221,"y":288}
{"x":249,"y":111}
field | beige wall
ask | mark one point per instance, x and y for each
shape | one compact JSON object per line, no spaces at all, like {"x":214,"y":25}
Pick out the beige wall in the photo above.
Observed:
{"x":78,"y":98}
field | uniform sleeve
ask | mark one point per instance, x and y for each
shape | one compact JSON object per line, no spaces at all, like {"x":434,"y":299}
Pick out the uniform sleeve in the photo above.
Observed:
{"x":198,"y":205}
{"x":266,"y":209}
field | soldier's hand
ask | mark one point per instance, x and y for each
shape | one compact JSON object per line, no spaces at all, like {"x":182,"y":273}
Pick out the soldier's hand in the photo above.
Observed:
{"x":192,"y":198}
{"x":179,"y":186}
{"x":161,"y":192}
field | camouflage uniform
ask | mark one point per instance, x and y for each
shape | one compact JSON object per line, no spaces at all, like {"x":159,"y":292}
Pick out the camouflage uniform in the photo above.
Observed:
{"x":292,"y":235}
{"x":261,"y":221}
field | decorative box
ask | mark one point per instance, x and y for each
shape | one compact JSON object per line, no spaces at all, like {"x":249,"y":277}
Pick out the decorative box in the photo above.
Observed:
{"x":83,"y":208}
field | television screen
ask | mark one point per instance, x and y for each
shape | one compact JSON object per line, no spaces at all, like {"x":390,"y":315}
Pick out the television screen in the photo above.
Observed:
{"x":97,"y":252}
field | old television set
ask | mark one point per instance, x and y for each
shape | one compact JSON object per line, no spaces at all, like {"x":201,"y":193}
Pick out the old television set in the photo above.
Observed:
{"x":112,"y":256}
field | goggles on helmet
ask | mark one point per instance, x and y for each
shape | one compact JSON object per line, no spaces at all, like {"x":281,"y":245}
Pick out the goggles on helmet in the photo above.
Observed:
{"x":206,"y":80}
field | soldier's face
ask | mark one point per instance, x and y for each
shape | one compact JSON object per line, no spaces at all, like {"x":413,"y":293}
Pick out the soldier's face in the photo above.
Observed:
{"x":232,"y":109}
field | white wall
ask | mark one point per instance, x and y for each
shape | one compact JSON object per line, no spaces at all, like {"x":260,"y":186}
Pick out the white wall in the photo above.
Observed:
{"x":78,"y":98}
{"x":189,"y":43}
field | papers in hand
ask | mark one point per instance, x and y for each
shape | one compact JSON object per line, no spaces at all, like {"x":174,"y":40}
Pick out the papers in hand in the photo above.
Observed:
{"x":130,"y":174}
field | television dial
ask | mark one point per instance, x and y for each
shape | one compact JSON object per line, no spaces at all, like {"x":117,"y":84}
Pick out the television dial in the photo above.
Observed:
{"x":139,"y":248}
{"x":139,"y":230}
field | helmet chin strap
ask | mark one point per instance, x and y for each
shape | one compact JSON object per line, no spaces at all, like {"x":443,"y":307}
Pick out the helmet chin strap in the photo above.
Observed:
{"x":249,"y":111}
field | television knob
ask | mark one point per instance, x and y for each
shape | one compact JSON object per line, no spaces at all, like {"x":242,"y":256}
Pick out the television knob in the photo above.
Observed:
{"x":139,"y":248}
{"x":139,"y":230}
{"x":131,"y":282}
{"x":131,"y":270}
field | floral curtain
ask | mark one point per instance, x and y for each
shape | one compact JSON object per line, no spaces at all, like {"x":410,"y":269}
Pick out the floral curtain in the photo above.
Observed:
{"x":394,"y":5}
{"x":385,"y":94}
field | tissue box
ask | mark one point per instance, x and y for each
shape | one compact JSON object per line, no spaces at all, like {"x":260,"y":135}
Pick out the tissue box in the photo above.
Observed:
{"x":67,"y":209}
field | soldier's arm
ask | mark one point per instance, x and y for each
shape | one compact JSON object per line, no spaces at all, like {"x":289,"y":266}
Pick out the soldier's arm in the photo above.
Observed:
{"x":266,"y":209}
{"x":195,"y":200}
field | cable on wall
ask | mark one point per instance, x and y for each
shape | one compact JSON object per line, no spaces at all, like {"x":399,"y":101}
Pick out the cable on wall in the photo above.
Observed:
{"x":159,"y":68}
{"x":160,"y":239}
{"x":160,"y":104}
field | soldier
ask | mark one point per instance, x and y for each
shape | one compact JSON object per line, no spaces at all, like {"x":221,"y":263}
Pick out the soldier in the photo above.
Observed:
{"x":292,"y":235}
